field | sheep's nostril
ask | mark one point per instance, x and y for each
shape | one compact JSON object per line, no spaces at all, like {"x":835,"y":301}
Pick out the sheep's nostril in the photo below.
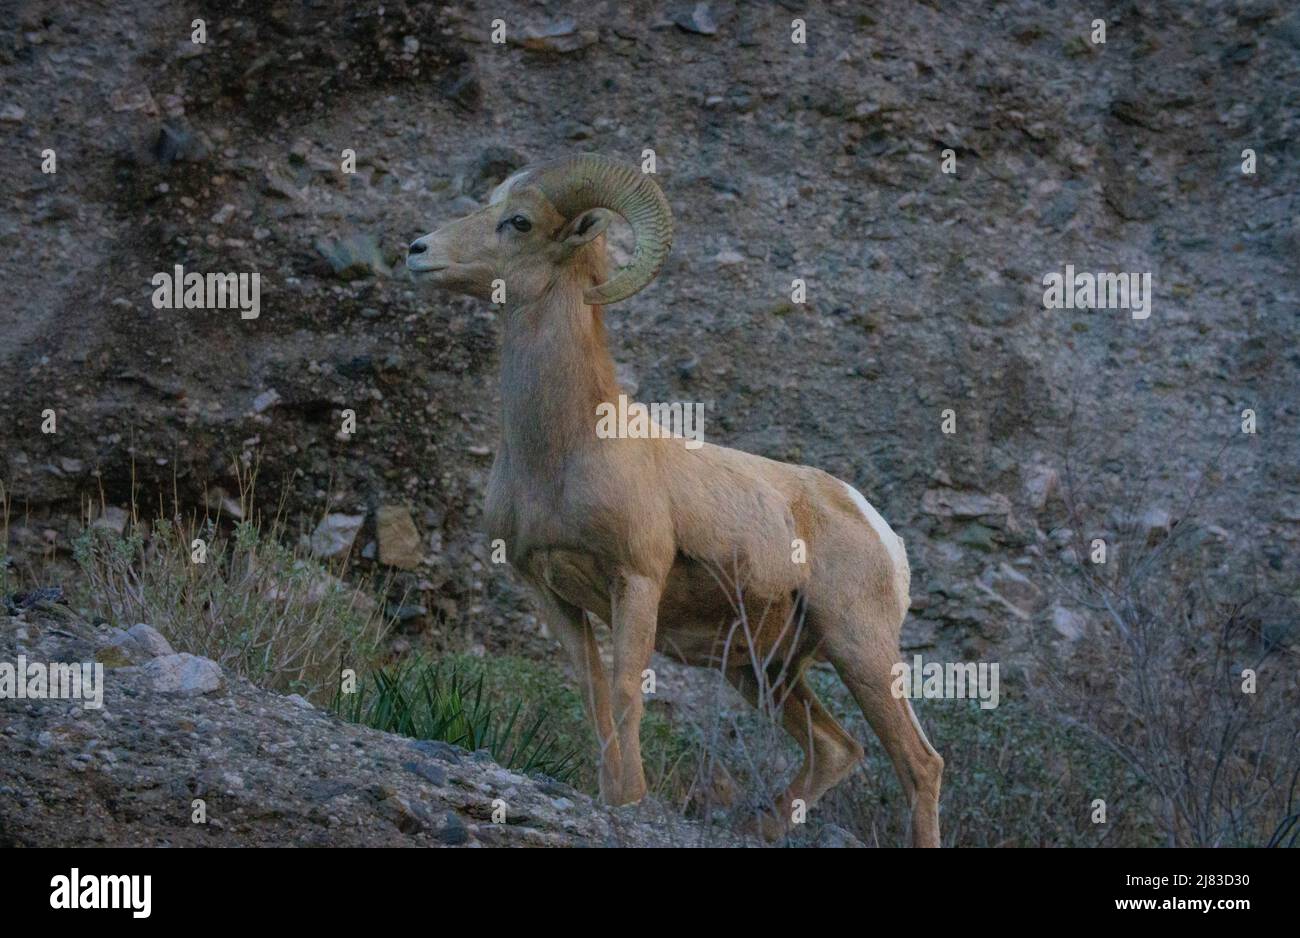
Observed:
{"x":417,"y":248}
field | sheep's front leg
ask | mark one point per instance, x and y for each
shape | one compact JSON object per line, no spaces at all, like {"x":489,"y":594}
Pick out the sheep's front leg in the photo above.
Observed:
{"x":570,"y":625}
{"x":634,"y":612}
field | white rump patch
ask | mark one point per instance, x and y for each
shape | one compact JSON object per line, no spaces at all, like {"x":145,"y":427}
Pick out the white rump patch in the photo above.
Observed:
{"x":892,"y":542}
{"x":501,"y":191}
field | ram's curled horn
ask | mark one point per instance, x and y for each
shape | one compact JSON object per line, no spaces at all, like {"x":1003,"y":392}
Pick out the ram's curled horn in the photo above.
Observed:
{"x":580,"y":183}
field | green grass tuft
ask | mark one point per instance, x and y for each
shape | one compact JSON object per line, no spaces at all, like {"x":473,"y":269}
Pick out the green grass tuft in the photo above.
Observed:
{"x":454,"y":701}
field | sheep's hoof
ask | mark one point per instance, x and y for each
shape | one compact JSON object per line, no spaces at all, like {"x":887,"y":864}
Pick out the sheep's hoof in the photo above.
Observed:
{"x":767,"y":822}
{"x":629,"y":794}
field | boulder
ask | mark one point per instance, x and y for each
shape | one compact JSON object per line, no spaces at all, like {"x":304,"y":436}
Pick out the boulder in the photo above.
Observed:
{"x":113,"y":519}
{"x":965,"y":506}
{"x":184,"y":674}
{"x":334,"y":535}
{"x":399,"y":541}
{"x":150,"y":639}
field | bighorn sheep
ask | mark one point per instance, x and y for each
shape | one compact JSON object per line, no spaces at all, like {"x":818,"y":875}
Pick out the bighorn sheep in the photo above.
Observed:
{"x":636,"y":530}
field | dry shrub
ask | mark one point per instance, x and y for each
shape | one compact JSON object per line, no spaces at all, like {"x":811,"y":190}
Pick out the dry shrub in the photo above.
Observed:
{"x":268,"y":612}
{"x":1180,"y":621}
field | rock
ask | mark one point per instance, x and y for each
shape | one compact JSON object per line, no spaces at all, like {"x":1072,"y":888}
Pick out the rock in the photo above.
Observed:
{"x":399,"y":541}
{"x":176,"y":144}
{"x":433,"y":774}
{"x":1040,"y":483}
{"x":12,"y":114}
{"x":136,"y":98}
{"x":275,"y":182}
{"x":699,"y":20}
{"x":409,"y":614}
{"x":318,"y":585}
{"x":113,"y":519}
{"x":265,"y":401}
{"x":217,"y":500}
{"x":950,"y":503}
{"x":1155,"y":525}
{"x":1069,"y":624}
{"x":334,"y":535}
{"x":354,"y":257}
{"x":462,"y":205}
{"x":464,"y":89}
{"x":33,"y":598}
{"x":451,"y":830}
{"x":560,"y":36}
{"x":150,"y":639}
{"x":406,"y":815}
{"x":438,"y":749}
{"x":728,"y":258}
{"x":492,"y":167}
{"x":1013,"y":584}
{"x":185,"y":674}
{"x":222,"y":215}
{"x":978,"y":537}
{"x":122,"y":651}
{"x":1015,"y":591}
{"x":918,"y":633}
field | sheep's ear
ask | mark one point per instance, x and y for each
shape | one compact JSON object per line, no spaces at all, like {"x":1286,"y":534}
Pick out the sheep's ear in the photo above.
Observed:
{"x":585,"y":227}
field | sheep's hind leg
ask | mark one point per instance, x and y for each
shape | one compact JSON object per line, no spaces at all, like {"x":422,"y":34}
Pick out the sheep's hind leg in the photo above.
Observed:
{"x":830,"y":753}
{"x":864,"y":659}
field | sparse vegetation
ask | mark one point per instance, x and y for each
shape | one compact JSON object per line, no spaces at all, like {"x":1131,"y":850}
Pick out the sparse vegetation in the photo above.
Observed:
{"x":268,"y":612}
{"x":1188,"y":673}
{"x":1015,"y":776}
{"x":525,"y":712}
{"x":446,"y":701}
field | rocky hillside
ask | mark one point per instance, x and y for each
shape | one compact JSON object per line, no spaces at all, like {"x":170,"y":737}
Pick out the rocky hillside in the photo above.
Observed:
{"x":174,"y":731}
{"x":818,"y":160}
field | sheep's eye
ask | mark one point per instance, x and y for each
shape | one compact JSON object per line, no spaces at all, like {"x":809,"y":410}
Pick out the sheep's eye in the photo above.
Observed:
{"x":521,"y":223}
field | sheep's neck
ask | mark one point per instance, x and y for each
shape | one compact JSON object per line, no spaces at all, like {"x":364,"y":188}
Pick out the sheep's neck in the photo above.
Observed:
{"x":555,"y":370}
